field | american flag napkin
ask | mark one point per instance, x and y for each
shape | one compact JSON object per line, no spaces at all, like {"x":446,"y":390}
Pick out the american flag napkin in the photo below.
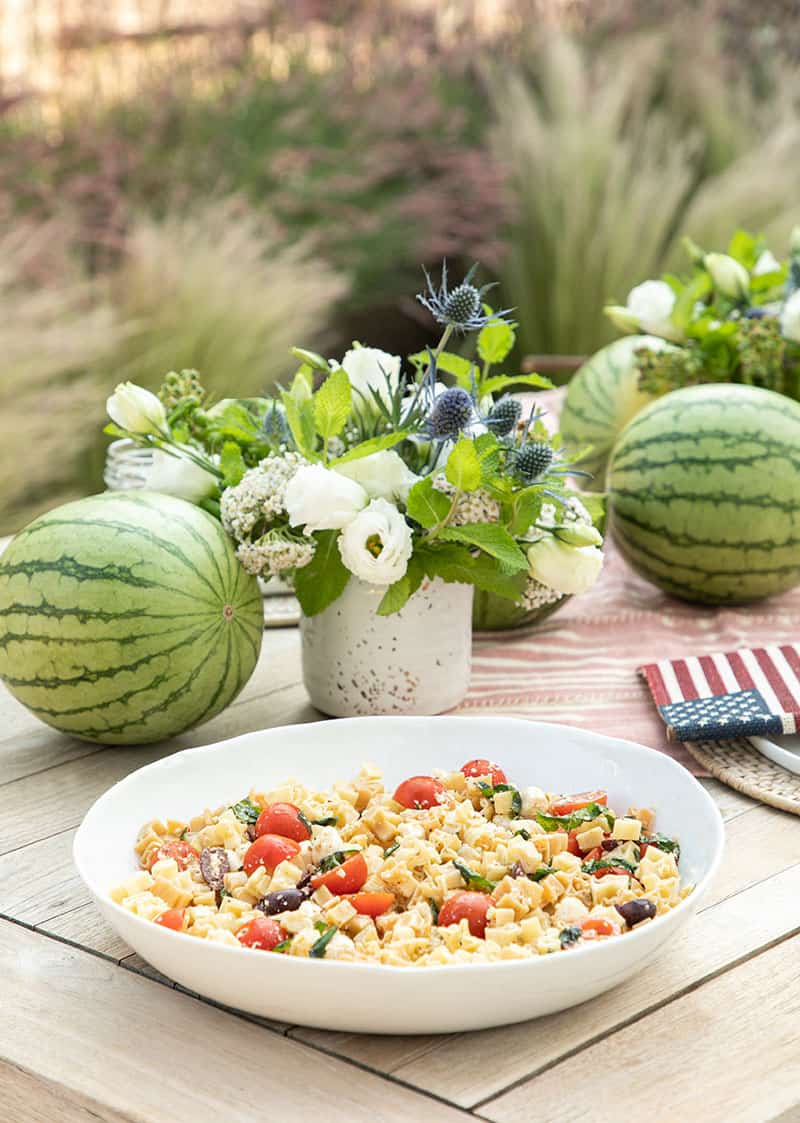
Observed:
{"x":737,"y":694}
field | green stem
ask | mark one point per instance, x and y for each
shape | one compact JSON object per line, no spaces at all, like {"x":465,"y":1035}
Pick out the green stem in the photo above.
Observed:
{"x":440,"y":346}
{"x":434,"y":530}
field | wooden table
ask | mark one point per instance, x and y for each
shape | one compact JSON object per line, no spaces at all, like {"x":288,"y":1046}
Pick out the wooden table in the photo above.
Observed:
{"x":88,"y":1031}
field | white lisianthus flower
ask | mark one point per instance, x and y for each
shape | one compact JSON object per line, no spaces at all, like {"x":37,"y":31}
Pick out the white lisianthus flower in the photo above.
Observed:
{"x":567,"y":569}
{"x":383,"y":475}
{"x":767,"y":263}
{"x":319,"y":499}
{"x":790,"y":318}
{"x":729,"y":276}
{"x":136,"y":409}
{"x":368,"y":369}
{"x":377,"y":544}
{"x":651,"y":305}
{"x":175,"y":475}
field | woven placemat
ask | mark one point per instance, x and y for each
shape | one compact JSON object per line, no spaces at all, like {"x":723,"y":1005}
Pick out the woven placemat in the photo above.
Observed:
{"x":740,"y":765}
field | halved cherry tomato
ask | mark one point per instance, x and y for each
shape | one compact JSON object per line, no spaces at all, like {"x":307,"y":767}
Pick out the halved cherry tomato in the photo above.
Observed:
{"x":481,"y":767}
{"x":595,"y":926}
{"x":346,"y":878}
{"x":468,"y":906}
{"x":181,"y":852}
{"x":283,"y":819}
{"x":572,"y":843}
{"x":269,"y":851}
{"x":611,"y":869}
{"x":642,"y":849}
{"x":594,"y":855}
{"x":419,"y":792}
{"x":263,"y":933}
{"x":575,"y":802}
{"x":172,"y":918}
{"x":372,"y":904}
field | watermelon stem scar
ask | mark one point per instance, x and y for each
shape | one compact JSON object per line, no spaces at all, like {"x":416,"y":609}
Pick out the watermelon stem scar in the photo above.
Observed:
{"x":229,"y":612}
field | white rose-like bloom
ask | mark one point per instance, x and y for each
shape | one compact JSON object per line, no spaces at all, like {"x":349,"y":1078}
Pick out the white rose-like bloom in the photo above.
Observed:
{"x":790,"y":318}
{"x":319,"y":499}
{"x":567,"y":569}
{"x":383,"y":475}
{"x":651,"y":304}
{"x":136,"y":409}
{"x":369,"y":368}
{"x":767,"y":263}
{"x":729,"y":276}
{"x":174,"y":475}
{"x":377,"y":544}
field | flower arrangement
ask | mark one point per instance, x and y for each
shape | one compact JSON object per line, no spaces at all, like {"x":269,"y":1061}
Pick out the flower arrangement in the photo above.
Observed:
{"x":734,"y":318}
{"x":386,"y":473}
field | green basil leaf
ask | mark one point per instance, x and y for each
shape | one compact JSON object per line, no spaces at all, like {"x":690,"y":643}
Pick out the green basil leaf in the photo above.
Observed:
{"x":391,"y":849}
{"x":542,"y":872}
{"x":328,"y":821}
{"x":246,"y":811}
{"x":434,"y":910}
{"x":607,"y":864}
{"x":321,"y":946}
{"x":523,"y":834}
{"x":283,"y":946}
{"x":335,"y":859}
{"x":574,"y":819}
{"x":474,"y":880}
{"x":663,"y":842}
{"x":569,"y":936}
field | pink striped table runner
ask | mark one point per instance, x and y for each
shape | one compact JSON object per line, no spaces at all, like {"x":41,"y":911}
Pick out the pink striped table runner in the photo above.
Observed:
{"x":580,"y":667}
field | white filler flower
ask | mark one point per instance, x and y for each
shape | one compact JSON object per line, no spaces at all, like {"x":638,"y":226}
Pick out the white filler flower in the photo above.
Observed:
{"x":383,"y":475}
{"x":767,"y":263}
{"x":377,"y":544}
{"x":318,"y":499}
{"x":174,"y":475}
{"x":790,"y":318}
{"x":729,"y":276}
{"x":368,"y":369}
{"x":136,"y":409}
{"x":567,"y":569}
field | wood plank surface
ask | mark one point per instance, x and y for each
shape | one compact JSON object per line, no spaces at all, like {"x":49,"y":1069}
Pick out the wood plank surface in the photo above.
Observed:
{"x":30,"y":1099}
{"x":727,"y":1051}
{"x":111,"y":1037}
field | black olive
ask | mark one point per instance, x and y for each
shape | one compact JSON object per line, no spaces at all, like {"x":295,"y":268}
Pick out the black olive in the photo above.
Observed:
{"x":282,"y":900}
{"x":214,"y":865}
{"x":634,"y":912}
{"x":609,"y":844}
{"x":517,"y":870}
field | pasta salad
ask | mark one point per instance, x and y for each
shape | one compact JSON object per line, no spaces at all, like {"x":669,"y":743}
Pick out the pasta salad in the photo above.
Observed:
{"x":447,"y":868}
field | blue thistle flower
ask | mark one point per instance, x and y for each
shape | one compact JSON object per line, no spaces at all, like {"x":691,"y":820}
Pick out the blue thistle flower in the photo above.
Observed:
{"x":532,"y":461}
{"x":461,"y":308}
{"x":275,"y":427}
{"x":503,"y":416}
{"x":453,"y":412}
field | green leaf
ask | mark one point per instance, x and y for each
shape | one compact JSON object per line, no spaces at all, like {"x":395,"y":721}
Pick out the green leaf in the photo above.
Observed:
{"x":231,"y":463}
{"x":683,"y":311}
{"x":540,"y":873}
{"x":319,"y":583}
{"x":302,"y":384}
{"x":463,"y":468}
{"x":496,"y":341}
{"x":606,"y":864}
{"x":502,"y":382}
{"x":569,"y":936}
{"x":426,"y":505}
{"x":246,"y":811}
{"x":744,"y":248}
{"x":456,"y":365}
{"x":493,"y":539}
{"x":516,"y":799}
{"x":300,"y":419}
{"x":332,"y":404}
{"x":367,"y":448}
{"x":391,"y":849}
{"x":317,"y":950}
{"x":311,"y":359}
{"x":663,"y":842}
{"x":398,"y":594}
{"x":574,"y":819}
{"x":474,"y":880}
{"x":455,"y":564}
{"x":233,"y":422}
{"x":526,"y":510}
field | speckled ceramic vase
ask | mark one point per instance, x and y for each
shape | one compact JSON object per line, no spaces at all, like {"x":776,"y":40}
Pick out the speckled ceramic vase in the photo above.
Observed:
{"x":416,"y":661}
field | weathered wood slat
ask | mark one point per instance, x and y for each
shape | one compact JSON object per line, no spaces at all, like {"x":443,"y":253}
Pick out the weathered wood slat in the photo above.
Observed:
{"x":29,"y":1099}
{"x":111,"y":1037}
{"x":677,"y":1063}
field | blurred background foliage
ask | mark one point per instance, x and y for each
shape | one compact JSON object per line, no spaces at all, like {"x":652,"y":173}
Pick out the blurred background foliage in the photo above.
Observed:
{"x":201,"y":184}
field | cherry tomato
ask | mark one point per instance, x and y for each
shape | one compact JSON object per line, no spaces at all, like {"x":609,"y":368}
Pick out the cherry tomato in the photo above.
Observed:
{"x":611,"y":869}
{"x":594,"y":855}
{"x":283,"y":819}
{"x":642,"y":849}
{"x":346,"y":878}
{"x":468,"y":906}
{"x":481,"y":767}
{"x":263,"y":933}
{"x":419,"y":791}
{"x":269,"y":851}
{"x":372,"y":904}
{"x":181,"y":852}
{"x":172,"y":918}
{"x":572,"y":844}
{"x":595,"y":926}
{"x":575,"y":802}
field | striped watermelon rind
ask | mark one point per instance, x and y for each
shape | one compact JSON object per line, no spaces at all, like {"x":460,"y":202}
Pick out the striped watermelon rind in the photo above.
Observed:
{"x":602,"y":397}
{"x":125,"y":618}
{"x":704,"y":493}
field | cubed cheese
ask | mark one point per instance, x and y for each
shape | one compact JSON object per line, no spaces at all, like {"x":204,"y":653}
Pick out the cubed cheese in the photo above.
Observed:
{"x":627,"y":830}
{"x":587,"y":840}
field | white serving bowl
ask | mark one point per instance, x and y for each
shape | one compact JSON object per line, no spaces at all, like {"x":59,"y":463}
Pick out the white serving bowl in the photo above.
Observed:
{"x":371,"y":998}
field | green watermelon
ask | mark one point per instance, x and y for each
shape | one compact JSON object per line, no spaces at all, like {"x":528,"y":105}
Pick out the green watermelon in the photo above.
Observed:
{"x":125,"y":618}
{"x":602,"y":397}
{"x":704,"y":493}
